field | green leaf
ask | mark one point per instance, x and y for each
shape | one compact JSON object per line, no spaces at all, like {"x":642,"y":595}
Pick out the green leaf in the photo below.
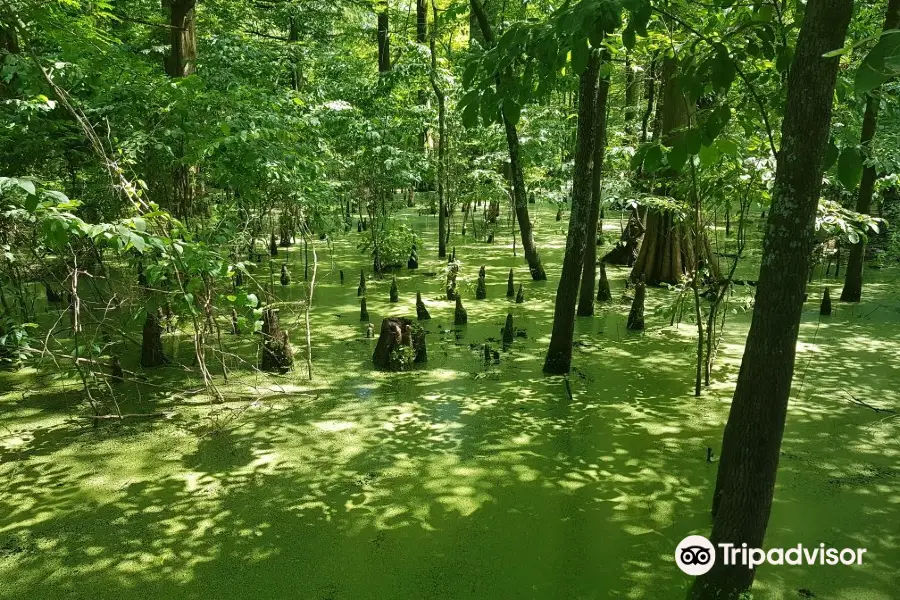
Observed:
{"x":469,"y":73}
{"x":831,"y":155}
{"x":727,"y":147}
{"x":693,"y":139}
{"x":654,"y":159}
{"x":708,"y":155}
{"x":26,"y":184}
{"x":880,"y":64}
{"x":628,"y":38}
{"x":580,"y":53}
{"x":850,"y":167}
{"x":678,"y":155}
{"x":470,"y":115}
{"x":723,"y":71}
{"x":511,"y":111}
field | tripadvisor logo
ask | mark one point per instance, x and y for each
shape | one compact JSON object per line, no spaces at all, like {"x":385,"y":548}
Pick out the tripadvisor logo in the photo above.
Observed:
{"x":696,"y":555}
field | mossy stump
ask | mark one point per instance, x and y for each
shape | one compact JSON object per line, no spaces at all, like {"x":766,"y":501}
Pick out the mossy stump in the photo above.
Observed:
{"x":277,"y":356}
{"x":401,"y":344}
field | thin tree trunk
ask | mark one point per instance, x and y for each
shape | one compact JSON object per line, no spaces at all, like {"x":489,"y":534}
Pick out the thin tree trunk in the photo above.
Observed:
{"x":630,"y":97}
{"x":559,"y":354}
{"x":384,"y":41}
{"x":520,"y":196}
{"x":853,"y":277}
{"x":589,"y":268}
{"x":442,"y":134}
{"x":751,"y":443}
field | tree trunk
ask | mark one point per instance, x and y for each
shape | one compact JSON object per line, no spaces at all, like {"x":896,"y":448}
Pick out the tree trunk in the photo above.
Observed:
{"x":650,"y":93}
{"x":442,"y":143}
{"x":589,"y":268}
{"x":630,"y":97}
{"x":751,"y":443}
{"x":664,"y":253}
{"x":520,"y":195}
{"x":151,"y":343}
{"x":384,"y":41}
{"x":180,"y":63}
{"x":559,"y":354}
{"x":852,"y":291}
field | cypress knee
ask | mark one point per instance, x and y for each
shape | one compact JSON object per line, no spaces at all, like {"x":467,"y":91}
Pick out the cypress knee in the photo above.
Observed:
{"x":461,"y":317}
{"x":825,"y":308}
{"x":363,"y":311}
{"x":481,"y":289}
{"x":395,"y":294}
{"x":361,"y":290}
{"x":508,"y":331}
{"x":285,"y":276}
{"x":603,"y":293}
{"x":636,"y":316}
{"x":421,"y":311}
{"x":520,"y":296}
{"x":510,"y":287}
{"x":273,"y":245}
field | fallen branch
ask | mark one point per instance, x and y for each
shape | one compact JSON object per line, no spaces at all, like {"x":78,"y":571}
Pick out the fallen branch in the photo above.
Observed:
{"x":859,"y":402}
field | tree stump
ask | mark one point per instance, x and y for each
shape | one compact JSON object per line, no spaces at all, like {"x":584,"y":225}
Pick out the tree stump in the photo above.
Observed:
{"x":151,"y":344}
{"x":395,"y":294}
{"x":401,"y":344}
{"x":825,"y":307}
{"x":277,"y":356}
{"x":510,"y":287}
{"x":559,"y":215}
{"x":413,"y":262}
{"x":421,"y":312}
{"x":603,"y":293}
{"x":460,"y":316}
{"x":452,"y":272}
{"x":363,"y":311}
{"x":361,"y":290}
{"x":273,"y":245}
{"x":285,"y":276}
{"x":520,"y":296}
{"x":636,"y":316}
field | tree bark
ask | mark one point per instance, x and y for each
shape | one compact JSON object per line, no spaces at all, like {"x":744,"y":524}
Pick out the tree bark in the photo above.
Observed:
{"x":852,"y":291}
{"x":589,"y":268}
{"x":559,"y":354}
{"x":520,"y":195}
{"x":751,"y":443}
{"x":630,"y":97}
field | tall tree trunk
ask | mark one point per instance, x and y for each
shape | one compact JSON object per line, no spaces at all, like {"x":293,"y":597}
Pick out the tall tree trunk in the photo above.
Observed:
{"x":442,"y":132}
{"x":667,"y":250}
{"x":520,"y":195}
{"x":180,"y":63}
{"x":589,"y":268}
{"x":852,"y":291}
{"x":650,"y":93}
{"x":559,"y":354}
{"x":751,"y":443}
{"x":384,"y":41}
